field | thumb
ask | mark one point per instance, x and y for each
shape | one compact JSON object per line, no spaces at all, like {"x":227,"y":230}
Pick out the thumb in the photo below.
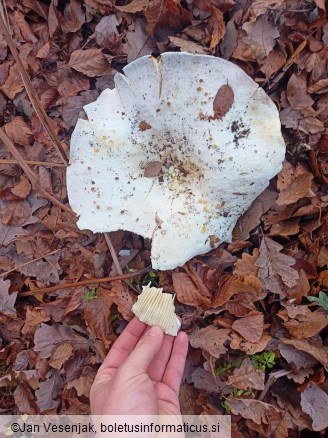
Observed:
{"x":145,"y":350}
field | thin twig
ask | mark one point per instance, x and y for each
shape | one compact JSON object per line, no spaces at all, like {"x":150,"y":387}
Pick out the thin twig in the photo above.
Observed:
{"x":113,"y":254}
{"x":34,"y":98}
{"x":33,"y":163}
{"x":30,"y":174}
{"x":84,"y":283}
{"x":273,"y":377}
{"x":28,"y":263}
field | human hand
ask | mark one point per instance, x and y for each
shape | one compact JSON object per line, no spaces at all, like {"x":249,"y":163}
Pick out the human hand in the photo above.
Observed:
{"x":141,"y":374}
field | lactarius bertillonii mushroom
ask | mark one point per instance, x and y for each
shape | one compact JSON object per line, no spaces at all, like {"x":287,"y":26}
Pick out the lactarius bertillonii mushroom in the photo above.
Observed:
{"x":176,"y":153}
{"x":156,"y":308}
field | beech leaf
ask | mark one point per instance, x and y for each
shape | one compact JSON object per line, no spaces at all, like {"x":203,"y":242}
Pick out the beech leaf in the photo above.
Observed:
{"x":91,"y":62}
{"x":314,"y":402}
{"x":223,"y":101}
{"x":7,"y":300}
{"x":211,"y":340}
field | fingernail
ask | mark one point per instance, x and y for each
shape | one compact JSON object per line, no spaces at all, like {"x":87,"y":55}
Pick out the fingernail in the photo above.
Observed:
{"x":155,"y":331}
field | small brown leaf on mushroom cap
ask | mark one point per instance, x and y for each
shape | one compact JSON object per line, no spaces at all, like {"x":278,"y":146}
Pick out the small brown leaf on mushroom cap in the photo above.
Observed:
{"x":153,"y":169}
{"x":143,"y":126}
{"x":223,"y":101}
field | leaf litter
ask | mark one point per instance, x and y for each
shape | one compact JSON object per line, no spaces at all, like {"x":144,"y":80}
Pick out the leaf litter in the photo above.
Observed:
{"x":237,"y":302}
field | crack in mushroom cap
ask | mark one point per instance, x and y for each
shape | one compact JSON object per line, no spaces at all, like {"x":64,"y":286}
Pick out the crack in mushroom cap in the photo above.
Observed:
{"x":212,"y":170}
{"x":156,"y":308}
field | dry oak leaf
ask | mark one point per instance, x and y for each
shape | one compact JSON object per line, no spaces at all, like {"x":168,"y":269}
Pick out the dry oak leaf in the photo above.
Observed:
{"x":211,"y":340}
{"x":223,"y":101}
{"x":250,"y":327}
{"x":306,"y":326}
{"x":187,"y":292}
{"x":91,"y":62}
{"x":60,"y":354}
{"x":254,"y":410}
{"x":19,"y":131}
{"x":47,"y":337}
{"x":314,"y":402}
{"x":230,"y":285}
{"x":7,"y":300}
{"x":98,"y":317}
{"x":275,"y":267}
{"x":246,"y":265}
{"x":123,"y":298}
{"x":314,"y":349}
{"x":247,"y":376}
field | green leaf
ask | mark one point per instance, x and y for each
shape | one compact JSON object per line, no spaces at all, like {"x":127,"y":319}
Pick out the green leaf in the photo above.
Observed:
{"x":90,"y":295}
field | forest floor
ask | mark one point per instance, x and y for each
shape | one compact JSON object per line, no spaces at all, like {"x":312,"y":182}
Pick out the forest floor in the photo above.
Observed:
{"x":255,"y":309}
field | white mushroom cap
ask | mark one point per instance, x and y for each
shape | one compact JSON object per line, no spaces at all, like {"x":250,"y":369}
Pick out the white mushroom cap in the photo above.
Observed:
{"x":156,"y":308}
{"x":212,"y":169}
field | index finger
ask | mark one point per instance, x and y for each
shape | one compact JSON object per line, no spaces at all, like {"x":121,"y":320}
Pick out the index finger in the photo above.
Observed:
{"x":124,"y":344}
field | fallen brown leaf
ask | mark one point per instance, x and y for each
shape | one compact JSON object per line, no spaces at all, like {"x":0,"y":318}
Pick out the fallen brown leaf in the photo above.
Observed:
{"x":123,"y":298}
{"x":223,"y":101}
{"x":60,"y":354}
{"x":297,"y":358}
{"x":246,"y":265}
{"x":24,"y":399}
{"x":169,"y":12}
{"x":91,"y":62}
{"x":203,"y":379}
{"x":314,"y":349}
{"x":297,"y":93}
{"x":47,"y":337}
{"x":48,"y":391}
{"x":153,"y":169}
{"x":306,"y":326}
{"x":314,"y":402}
{"x":251,"y":219}
{"x":187,"y":292}
{"x":211,"y":340}
{"x":275,"y":267}
{"x":19,"y":131}
{"x":247,"y":376}
{"x":7,"y":300}
{"x":232,"y":285}
{"x":239,"y":343}
{"x":254,"y":410}
{"x":97,"y":315}
{"x":83,"y":383}
{"x":250,"y":327}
